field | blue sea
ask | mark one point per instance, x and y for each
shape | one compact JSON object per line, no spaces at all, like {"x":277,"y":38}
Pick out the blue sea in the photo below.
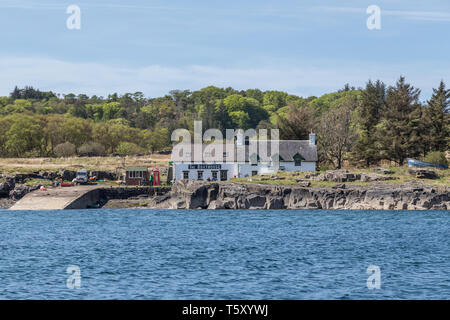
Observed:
{"x":177,"y":254}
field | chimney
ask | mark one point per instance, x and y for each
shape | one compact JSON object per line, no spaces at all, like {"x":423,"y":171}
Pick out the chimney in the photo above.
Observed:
{"x":312,"y":138}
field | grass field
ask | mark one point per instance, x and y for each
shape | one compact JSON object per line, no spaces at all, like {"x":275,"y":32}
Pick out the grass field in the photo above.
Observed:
{"x":25,"y":165}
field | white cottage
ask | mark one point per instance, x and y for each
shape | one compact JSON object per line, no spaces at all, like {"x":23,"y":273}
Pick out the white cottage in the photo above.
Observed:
{"x":241,"y":160}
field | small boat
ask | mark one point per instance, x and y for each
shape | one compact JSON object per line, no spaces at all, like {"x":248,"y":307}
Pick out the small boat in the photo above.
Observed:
{"x":418,"y":163}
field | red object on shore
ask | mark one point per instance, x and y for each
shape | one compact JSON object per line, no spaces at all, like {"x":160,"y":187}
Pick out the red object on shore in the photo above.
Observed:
{"x":66,"y":184}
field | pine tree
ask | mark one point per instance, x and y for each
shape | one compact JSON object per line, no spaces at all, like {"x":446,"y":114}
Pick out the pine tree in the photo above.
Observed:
{"x":16,"y":94}
{"x":222,"y":117}
{"x":437,"y":119}
{"x":398,"y":131}
{"x":207,"y":115}
{"x":368,"y":113}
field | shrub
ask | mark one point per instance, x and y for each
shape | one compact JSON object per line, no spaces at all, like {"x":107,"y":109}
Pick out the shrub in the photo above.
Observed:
{"x":436,"y":157}
{"x":91,"y":149}
{"x":128,"y":148}
{"x":65,"y":149}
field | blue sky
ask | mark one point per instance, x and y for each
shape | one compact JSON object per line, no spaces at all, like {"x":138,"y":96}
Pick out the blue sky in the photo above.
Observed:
{"x":305,"y":47}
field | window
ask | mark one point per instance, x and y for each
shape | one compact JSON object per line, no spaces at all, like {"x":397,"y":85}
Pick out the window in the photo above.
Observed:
{"x":199,"y":175}
{"x":214,"y":175}
{"x":186,"y":175}
{"x":223,"y":175}
{"x":254,"y":173}
{"x":298,"y":160}
{"x":136,"y":174}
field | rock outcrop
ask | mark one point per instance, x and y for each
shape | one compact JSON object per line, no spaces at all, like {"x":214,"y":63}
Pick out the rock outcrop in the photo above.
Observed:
{"x":204,"y":195}
{"x":345,"y":176}
{"x":421,"y":173}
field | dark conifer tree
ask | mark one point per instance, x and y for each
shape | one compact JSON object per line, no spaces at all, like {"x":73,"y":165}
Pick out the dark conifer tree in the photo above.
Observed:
{"x":437,"y":119}
{"x":397,"y":135}
{"x":222,"y":117}
{"x":368,"y":116}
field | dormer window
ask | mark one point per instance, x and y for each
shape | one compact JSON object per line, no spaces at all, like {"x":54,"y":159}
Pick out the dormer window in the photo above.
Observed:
{"x":298,"y":159}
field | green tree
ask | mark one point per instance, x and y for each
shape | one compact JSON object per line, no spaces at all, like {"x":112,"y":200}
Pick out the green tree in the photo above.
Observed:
{"x":23,"y":136}
{"x":437,"y":119}
{"x":368,"y":116}
{"x":222,"y":117}
{"x":275,"y":98}
{"x":397,"y":133}
{"x":76,"y":130}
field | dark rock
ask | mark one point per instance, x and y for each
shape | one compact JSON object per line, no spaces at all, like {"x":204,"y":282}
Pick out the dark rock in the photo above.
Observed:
{"x":383,"y":171}
{"x":372,"y":177}
{"x":275,"y":203}
{"x":48,"y":175}
{"x":255,"y":202}
{"x":66,"y":175}
{"x":303,"y":183}
{"x":338,"y":176}
{"x":104,"y":175}
{"x":423,"y":173}
{"x":20,"y":191}
{"x":7,"y":186}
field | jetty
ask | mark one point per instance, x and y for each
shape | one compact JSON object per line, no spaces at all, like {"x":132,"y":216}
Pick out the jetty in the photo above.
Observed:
{"x":77,"y":197}
{"x":81,"y":197}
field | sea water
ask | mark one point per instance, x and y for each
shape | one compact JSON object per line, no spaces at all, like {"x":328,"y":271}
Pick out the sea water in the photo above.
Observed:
{"x":242,"y":254}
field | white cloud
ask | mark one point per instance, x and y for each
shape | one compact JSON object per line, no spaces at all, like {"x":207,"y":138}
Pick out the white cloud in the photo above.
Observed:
{"x":414,"y":15}
{"x":302,"y":78}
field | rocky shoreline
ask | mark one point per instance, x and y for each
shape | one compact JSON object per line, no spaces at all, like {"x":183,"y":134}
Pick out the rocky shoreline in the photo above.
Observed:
{"x":379,"y":195}
{"x":228,"y":195}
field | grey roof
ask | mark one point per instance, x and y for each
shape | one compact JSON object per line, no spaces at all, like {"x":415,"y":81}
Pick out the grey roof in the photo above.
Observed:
{"x":289,"y":148}
{"x":287,"y":151}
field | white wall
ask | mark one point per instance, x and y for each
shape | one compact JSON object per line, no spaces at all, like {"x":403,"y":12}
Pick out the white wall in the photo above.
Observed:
{"x":306,"y":166}
{"x":179,"y":168}
{"x":267,"y":168}
{"x":243,"y":169}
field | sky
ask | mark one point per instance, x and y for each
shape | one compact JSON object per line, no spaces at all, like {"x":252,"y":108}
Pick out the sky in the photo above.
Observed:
{"x":308,"y":47}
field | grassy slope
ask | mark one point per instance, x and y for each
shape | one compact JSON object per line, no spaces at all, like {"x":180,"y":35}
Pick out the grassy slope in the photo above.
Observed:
{"x":401,"y":173}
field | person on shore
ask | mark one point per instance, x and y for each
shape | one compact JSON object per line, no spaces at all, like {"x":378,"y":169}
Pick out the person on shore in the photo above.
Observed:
{"x":151,"y":180}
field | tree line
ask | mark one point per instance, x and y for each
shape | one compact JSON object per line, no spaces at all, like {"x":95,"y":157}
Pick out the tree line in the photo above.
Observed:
{"x":360,"y":125}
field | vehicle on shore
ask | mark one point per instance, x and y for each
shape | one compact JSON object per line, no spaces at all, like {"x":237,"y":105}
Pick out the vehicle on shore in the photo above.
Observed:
{"x":82,"y":177}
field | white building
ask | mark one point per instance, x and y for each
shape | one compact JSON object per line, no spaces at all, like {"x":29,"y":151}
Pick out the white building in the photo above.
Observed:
{"x":238,"y":161}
